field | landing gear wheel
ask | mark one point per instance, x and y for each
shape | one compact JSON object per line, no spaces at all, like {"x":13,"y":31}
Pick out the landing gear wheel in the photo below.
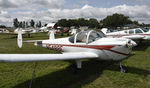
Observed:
{"x":73,"y":69}
{"x":28,"y":35}
{"x":123,"y":69}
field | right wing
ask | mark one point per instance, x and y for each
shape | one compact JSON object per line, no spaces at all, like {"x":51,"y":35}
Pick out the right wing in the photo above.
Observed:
{"x":134,"y":37}
{"x":46,"y":57}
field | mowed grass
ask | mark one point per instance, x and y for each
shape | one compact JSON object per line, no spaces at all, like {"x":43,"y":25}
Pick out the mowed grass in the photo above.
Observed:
{"x":56,"y":74}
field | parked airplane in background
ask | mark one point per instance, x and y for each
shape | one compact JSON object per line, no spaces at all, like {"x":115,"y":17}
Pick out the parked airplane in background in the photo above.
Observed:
{"x":135,"y":34}
{"x":24,"y":31}
{"x":84,"y":45}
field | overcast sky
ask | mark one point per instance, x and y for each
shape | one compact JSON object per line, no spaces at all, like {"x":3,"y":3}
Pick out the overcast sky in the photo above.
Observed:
{"x":53,"y":10}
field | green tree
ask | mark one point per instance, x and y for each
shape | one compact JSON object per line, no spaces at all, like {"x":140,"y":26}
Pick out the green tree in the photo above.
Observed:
{"x":63,"y":23}
{"x":93,"y":23}
{"x":23,"y":24}
{"x":15,"y":22}
{"x":39,"y":24}
{"x":116,"y":20}
{"x":26,"y":24}
{"x":32,"y":23}
{"x":20,"y":24}
{"x":72,"y":22}
{"x":82,"y":22}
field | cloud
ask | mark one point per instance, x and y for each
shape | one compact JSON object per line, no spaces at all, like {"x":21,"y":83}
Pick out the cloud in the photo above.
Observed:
{"x":50,"y":3}
{"x":5,"y":4}
{"x":87,"y":11}
{"x":140,"y":13}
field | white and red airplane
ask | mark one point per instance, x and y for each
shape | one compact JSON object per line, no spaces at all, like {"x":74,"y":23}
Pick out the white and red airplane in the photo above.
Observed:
{"x":84,"y":45}
{"x":135,"y":34}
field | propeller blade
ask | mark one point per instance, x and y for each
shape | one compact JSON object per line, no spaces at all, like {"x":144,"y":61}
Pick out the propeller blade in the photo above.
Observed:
{"x":51,"y":35}
{"x":19,"y":38}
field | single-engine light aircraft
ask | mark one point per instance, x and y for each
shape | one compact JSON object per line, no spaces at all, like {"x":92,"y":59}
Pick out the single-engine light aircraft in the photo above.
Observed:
{"x":134,"y":34}
{"x":84,"y":45}
{"x":24,"y":31}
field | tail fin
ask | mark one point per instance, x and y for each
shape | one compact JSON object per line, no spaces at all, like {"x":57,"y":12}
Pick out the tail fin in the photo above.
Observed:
{"x":105,"y":30}
{"x":51,"y":35}
{"x":19,"y":38}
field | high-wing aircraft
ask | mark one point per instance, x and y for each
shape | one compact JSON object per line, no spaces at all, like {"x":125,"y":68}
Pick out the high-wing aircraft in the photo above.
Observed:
{"x":84,"y":45}
{"x":135,"y":34}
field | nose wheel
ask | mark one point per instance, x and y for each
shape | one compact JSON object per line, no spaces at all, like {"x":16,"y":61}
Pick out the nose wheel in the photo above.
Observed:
{"x":123,"y":69}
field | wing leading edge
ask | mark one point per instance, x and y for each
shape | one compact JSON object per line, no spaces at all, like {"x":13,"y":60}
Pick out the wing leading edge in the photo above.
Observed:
{"x":46,"y":57}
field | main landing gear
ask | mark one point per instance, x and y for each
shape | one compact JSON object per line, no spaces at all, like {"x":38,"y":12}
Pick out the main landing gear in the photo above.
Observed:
{"x":123,"y":69}
{"x":75,"y":68}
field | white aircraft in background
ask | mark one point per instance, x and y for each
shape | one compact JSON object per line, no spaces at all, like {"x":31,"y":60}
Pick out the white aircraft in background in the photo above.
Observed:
{"x":135,"y":34}
{"x":84,"y":45}
{"x":24,"y":31}
{"x":74,"y":31}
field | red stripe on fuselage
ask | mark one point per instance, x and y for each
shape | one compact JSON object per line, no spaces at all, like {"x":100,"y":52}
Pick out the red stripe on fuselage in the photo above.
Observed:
{"x":91,"y":46}
{"x":104,"y":47}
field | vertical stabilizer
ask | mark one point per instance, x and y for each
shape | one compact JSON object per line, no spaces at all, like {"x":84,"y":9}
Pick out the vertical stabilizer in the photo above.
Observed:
{"x":104,"y":30}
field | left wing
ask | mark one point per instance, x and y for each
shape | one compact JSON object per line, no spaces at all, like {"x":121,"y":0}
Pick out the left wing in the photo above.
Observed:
{"x":46,"y":57}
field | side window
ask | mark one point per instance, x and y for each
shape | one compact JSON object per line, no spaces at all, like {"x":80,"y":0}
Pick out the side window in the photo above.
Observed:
{"x":94,"y":36}
{"x":81,"y":37}
{"x":138,"y":31}
{"x":125,"y":32}
{"x":131,"y":32}
{"x":71,"y":39}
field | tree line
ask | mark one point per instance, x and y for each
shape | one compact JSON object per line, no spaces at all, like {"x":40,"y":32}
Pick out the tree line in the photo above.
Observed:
{"x":92,"y":22}
{"x":112,"y":21}
{"x":24,"y":24}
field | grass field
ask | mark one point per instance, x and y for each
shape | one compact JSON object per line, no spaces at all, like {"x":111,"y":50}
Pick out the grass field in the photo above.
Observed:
{"x":56,"y":74}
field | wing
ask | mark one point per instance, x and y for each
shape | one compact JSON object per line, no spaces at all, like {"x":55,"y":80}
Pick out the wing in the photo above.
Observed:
{"x":134,"y":37}
{"x":46,"y":57}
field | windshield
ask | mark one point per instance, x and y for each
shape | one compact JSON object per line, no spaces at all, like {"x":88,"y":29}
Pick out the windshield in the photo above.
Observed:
{"x":131,"y":31}
{"x":144,"y":29}
{"x":94,"y":36}
{"x":86,"y":37}
{"x":138,"y":31}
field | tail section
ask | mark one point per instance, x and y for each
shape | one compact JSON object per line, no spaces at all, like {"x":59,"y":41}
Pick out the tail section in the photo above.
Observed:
{"x":105,"y":30}
{"x":19,"y":38}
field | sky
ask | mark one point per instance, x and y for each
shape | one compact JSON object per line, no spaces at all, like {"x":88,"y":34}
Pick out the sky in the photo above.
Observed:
{"x":52,"y":10}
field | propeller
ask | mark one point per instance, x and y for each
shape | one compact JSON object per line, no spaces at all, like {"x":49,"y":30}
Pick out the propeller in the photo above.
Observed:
{"x":51,"y":34}
{"x":19,"y":38}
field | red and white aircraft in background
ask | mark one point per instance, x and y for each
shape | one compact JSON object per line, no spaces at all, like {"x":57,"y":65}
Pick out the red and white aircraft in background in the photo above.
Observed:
{"x":135,"y":34}
{"x":84,"y":45}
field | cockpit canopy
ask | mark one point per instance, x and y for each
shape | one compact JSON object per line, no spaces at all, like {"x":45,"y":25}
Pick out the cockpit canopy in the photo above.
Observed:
{"x":86,"y":37}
